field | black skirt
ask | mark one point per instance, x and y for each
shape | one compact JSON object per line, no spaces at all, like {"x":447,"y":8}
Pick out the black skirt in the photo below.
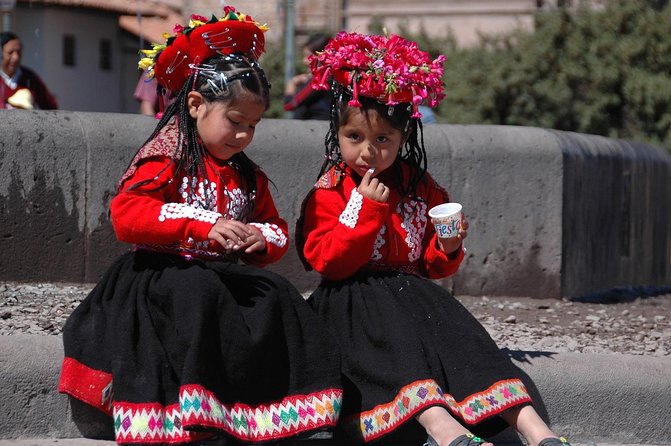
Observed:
{"x":408,"y":344}
{"x":179,"y":350}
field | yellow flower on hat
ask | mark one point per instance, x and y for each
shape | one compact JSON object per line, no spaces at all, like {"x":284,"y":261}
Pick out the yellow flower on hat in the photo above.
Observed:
{"x":149,"y":53}
{"x":195,"y":23}
{"x":145,"y":63}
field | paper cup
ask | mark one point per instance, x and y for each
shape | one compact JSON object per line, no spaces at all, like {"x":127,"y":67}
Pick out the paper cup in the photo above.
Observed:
{"x":446,"y":218}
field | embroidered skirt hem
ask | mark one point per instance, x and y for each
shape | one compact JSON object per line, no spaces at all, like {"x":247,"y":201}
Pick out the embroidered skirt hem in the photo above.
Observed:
{"x":178,"y":350}
{"x":408,"y":344}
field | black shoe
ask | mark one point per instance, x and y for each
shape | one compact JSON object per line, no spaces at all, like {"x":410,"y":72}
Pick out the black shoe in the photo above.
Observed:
{"x":464,"y":440}
{"x":561,"y":441}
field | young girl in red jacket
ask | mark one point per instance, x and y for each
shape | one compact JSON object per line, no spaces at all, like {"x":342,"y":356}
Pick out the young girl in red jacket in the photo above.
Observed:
{"x":179,"y":342}
{"x":410,"y":350}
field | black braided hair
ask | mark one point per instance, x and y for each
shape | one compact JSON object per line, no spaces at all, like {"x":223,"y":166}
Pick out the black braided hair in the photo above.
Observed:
{"x":227,"y":78}
{"x":399,"y":116}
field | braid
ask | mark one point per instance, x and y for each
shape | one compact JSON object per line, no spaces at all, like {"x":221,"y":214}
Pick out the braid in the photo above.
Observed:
{"x":332,"y":156}
{"x":415,"y":155}
{"x":184,"y":155}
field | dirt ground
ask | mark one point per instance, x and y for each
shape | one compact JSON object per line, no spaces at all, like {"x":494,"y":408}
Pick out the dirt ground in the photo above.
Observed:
{"x":623,"y":323}
{"x":633,"y":325}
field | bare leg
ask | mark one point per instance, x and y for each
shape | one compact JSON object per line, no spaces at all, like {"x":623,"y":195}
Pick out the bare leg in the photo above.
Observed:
{"x":442,"y":426}
{"x":527,"y":422}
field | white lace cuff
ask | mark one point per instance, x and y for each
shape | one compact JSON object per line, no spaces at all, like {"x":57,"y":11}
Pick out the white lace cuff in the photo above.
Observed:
{"x":350,"y":215}
{"x":272,"y":233}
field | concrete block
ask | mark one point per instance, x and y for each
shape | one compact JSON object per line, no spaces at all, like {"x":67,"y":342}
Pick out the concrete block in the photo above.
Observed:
{"x":607,"y":398}
{"x":552,"y":213}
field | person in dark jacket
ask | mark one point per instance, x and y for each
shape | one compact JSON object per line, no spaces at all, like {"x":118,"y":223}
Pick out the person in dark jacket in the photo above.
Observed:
{"x":299,"y":96}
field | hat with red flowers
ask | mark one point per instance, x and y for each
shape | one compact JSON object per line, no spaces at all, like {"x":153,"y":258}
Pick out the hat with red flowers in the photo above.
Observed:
{"x":233,"y":33}
{"x":390,"y":69}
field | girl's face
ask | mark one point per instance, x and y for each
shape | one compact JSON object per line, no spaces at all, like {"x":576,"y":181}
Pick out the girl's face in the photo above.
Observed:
{"x":224,"y":128}
{"x":367,"y":141}
{"x":11,"y":56}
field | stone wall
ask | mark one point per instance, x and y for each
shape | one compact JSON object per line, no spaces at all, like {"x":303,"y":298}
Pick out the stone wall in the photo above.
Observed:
{"x":552,"y":213}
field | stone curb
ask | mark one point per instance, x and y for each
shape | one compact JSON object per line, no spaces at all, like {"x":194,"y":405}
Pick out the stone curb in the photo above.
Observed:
{"x":590,"y":398}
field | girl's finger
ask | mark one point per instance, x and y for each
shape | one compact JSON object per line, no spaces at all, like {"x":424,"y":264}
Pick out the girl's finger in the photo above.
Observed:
{"x":218,"y":238}
{"x":257,"y":246}
{"x":385,"y":193}
{"x":232,"y":235}
{"x":240,"y":228}
{"x":365,"y":180}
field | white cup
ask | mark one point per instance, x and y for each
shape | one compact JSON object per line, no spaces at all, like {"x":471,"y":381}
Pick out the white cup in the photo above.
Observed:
{"x":446,"y":218}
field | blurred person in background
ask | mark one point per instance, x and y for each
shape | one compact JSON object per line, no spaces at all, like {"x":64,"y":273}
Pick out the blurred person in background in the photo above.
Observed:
{"x":299,"y":96}
{"x":147,"y":96}
{"x":21,"y":87}
{"x":428,"y":116}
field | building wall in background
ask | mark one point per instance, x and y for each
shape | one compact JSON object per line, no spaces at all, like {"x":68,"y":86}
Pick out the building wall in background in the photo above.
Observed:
{"x":465,"y":19}
{"x":84,"y":86}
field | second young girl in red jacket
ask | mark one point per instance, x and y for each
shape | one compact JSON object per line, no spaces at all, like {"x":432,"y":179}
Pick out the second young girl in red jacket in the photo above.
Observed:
{"x":410,"y":350}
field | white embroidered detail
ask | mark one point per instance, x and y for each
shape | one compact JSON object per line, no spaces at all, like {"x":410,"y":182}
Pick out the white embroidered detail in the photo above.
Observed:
{"x":201,"y":194}
{"x":235,"y":202}
{"x":272,"y":233}
{"x":414,"y":223}
{"x":204,"y":195}
{"x":379,"y":241}
{"x":203,"y":244}
{"x":350,"y":215}
{"x":174,"y":211}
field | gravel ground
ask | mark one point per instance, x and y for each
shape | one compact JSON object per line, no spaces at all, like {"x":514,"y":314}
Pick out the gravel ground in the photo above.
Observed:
{"x":628,"y":325}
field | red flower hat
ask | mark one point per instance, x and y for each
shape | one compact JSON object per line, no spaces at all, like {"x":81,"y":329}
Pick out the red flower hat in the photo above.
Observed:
{"x":234,"y":33}
{"x":390,"y":69}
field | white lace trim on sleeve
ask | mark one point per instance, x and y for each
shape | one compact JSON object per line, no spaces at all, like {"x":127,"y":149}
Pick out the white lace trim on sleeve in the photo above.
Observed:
{"x":272,"y":233}
{"x":350,"y":216}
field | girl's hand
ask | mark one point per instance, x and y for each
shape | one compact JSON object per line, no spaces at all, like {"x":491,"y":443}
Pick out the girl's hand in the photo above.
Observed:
{"x":372,"y":188}
{"x":255,"y":241}
{"x":450,"y":245}
{"x":231,"y":234}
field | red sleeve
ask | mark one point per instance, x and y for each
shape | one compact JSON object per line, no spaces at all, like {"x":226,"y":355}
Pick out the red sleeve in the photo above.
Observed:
{"x":435,"y":264}
{"x":43,"y":97}
{"x":340,"y":231}
{"x":267,"y":220}
{"x":150,"y":214}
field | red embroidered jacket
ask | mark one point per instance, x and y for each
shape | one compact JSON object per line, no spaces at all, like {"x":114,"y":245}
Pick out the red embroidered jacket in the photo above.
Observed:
{"x":343,"y":232}
{"x":177,"y":218}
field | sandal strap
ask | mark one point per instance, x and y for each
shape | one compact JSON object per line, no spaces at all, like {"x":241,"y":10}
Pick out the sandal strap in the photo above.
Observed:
{"x":467,"y":440}
{"x":561,"y":441}
{"x":462,"y":440}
